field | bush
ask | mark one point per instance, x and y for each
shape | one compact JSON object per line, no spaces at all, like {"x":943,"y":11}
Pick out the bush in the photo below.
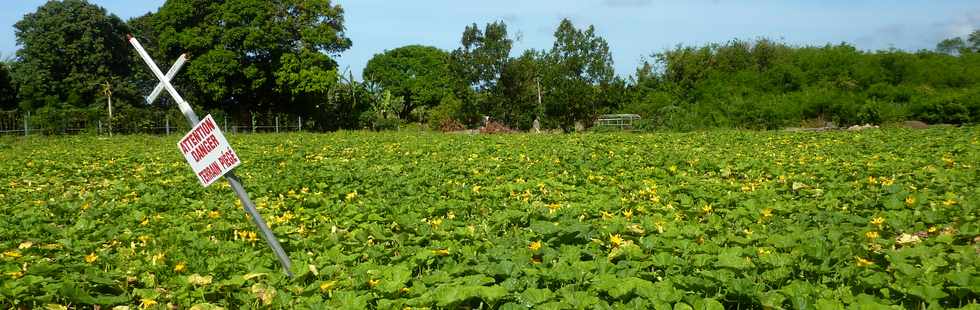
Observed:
{"x":384,"y":124}
{"x":495,"y":127}
{"x":450,"y":125}
{"x":448,"y":110}
{"x":371,"y":120}
{"x":946,"y":109}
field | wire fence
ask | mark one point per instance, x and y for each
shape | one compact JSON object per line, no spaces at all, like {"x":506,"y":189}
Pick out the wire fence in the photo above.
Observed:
{"x":153,"y":122}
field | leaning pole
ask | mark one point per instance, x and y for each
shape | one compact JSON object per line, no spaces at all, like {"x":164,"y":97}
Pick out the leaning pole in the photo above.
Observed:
{"x":193,"y":120}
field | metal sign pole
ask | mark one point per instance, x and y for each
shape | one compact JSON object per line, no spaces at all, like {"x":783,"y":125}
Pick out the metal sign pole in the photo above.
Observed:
{"x":233,"y":180}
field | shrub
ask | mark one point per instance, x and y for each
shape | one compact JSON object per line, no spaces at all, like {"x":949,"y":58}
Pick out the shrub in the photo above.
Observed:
{"x":495,"y":127}
{"x":450,"y":125}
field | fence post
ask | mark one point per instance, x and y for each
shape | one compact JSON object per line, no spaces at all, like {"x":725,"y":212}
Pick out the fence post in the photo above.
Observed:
{"x":253,"y":122}
{"x":277,"y":124}
{"x":26,"y":126}
{"x":225,"y":119}
{"x":168,"y":124}
{"x":300,"y":124}
{"x":100,"y":127}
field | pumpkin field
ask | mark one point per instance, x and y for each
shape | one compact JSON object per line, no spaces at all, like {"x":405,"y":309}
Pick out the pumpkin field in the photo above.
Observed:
{"x":876,"y":219}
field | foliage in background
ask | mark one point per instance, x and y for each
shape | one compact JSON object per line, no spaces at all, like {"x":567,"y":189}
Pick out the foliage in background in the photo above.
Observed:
{"x":251,"y":58}
{"x":768,"y":85}
{"x":480,"y":63}
{"x":483,"y":55}
{"x":418,"y":74}
{"x":574,"y":81}
{"x":67,"y":49}
{"x":8,"y":93}
{"x":954,"y":46}
{"x":251,"y":54}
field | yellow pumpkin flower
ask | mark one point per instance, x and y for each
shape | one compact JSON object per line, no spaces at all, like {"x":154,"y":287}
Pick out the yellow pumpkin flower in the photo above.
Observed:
{"x":441,"y":252}
{"x":861,"y":262}
{"x":616,"y":240}
{"x":327,"y":286}
{"x":91,"y":258}
{"x":535,"y":246}
{"x":553,"y":207}
{"x":871,"y":235}
{"x":877,"y":221}
{"x":766,"y":213}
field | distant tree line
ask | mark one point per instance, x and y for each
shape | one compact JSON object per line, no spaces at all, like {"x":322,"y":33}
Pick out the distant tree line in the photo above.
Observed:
{"x":260,"y":57}
{"x":766,"y":84}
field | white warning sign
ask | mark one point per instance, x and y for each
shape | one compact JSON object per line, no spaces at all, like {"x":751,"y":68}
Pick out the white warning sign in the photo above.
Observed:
{"x":208,"y":152}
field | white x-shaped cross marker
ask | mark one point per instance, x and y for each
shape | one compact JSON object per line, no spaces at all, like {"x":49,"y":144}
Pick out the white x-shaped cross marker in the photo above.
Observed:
{"x":165,"y":80}
{"x":170,"y":77}
{"x":233,"y":181}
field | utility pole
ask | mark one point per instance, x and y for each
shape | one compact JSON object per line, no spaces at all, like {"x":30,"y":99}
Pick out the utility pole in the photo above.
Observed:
{"x":107,"y":91}
{"x":352,"y":96}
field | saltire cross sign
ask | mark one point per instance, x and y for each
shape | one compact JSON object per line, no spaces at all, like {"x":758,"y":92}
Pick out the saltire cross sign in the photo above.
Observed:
{"x":207,"y":150}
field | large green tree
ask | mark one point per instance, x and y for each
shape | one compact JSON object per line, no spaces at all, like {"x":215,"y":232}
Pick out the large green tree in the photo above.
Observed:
{"x":520,"y":89}
{"x":951,"y":46}
{"x":68,"y":48}
{"x":958,"y":45}
{"x":483,"y":55}
{"x":480,"y":63}
{"x":580,"y":67}
{"x":8,"y":95}
{"x":250,"y":55}
{"x":419,"y":74}
{"x":974,"y":40}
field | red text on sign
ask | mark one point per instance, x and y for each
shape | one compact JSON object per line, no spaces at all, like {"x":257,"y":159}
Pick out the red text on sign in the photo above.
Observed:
{"x":197,"y":135}
{"x":228,"y":158}
{"x":210,"y":173}
{"x":203,"y":149}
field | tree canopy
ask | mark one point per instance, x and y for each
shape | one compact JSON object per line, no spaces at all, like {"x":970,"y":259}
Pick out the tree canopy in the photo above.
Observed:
{"x":253,"y":54}
{"x":8,"y":95}
{"x":273,"y":57}
{"x":580,"y":66}
{"x":419,"y":74}
{"x":68,"y":48}
{"x":768,"y":85}
{"x":483,"y":54}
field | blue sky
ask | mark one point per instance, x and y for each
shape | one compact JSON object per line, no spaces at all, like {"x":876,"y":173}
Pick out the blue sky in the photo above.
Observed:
{"x":634,"y":28}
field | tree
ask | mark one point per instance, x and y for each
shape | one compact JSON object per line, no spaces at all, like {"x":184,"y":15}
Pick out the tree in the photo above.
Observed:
{"x":68,"y":48}
{"x":951,"y":46}
{"x":520,"y":88}
{"x":8,"y":94}
{"x":481,"y":59}
{"x":480,"y":63}
{"x":580,"y":64}
{"x":974,"y":41}
{"x":419,"y":74}
{"x":253,"y":54}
